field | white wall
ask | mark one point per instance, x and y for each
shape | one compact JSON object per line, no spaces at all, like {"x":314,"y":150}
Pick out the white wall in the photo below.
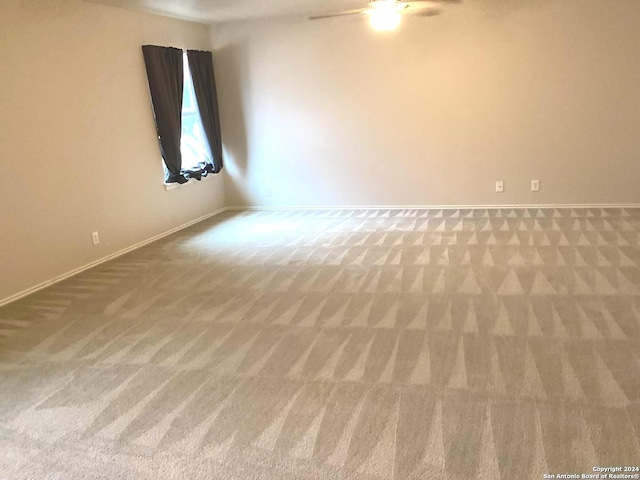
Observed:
{"x":331,"y":113}
{"x":78,"y":148}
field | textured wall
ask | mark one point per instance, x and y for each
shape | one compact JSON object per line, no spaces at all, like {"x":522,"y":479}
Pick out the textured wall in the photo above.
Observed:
{"x":79,"y":149}
{"x":330,"y":113}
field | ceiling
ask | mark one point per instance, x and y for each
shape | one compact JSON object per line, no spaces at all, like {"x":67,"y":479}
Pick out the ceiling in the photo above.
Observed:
{"x":213,"y":11}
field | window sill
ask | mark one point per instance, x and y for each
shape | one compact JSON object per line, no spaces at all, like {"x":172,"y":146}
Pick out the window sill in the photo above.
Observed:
{"x":175,"y":186}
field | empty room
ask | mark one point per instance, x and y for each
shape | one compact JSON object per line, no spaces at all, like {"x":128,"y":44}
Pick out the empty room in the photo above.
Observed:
{"x":319,"y":239}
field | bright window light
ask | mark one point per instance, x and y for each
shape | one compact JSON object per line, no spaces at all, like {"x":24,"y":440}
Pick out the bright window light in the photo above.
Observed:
{"x":194,"y":149}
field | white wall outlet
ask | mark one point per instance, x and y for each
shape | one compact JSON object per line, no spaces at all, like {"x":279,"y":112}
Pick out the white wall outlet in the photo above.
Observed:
{"x":535,"y":185}
{"x":499,"y":186}
{"x":95,"y":237}
{"x":268,"y":191}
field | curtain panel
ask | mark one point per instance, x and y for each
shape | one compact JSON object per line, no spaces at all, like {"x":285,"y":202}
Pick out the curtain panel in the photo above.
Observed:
{"x":204,"y":84}
{"x":166,"y":79}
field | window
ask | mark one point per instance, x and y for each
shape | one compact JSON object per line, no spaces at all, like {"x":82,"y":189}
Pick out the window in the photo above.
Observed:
{"x":187,"y":125}
{"x":193,"y":147}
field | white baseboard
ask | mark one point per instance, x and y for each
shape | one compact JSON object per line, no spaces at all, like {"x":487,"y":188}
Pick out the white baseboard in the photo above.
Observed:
{"x":119,"y":253}
{"x":429,"y":207}
{"x":76,"y":271}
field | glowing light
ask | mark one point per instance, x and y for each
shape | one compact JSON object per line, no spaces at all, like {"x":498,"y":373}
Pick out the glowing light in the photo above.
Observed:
{"x":385,"y":15}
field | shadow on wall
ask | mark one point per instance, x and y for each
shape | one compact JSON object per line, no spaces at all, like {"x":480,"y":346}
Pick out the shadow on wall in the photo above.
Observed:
{"x":233,"y":95}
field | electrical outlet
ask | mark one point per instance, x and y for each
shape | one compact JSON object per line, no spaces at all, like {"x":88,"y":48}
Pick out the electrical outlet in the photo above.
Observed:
{"x":95,"y":238}
{"x":499,"y":186}
{"x":268,"y":191}
{"x":535,"y":185}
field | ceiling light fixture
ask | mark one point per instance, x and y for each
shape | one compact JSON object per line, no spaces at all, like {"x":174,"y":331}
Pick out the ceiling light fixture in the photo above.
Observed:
{"x":385,"y":15}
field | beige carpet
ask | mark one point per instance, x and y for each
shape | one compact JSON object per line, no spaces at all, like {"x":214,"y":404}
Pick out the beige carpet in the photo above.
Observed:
{"x":456,"y":344}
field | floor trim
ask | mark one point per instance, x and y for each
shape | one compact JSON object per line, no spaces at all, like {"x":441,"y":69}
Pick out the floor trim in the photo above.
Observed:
{"x":124,"y":251}
{"x":95,"y":263}
{"x":431,"y":207}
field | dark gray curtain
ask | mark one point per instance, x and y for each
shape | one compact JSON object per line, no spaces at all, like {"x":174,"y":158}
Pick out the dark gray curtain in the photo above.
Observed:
{"x":204,"y":84}
{"x":166,"y":78}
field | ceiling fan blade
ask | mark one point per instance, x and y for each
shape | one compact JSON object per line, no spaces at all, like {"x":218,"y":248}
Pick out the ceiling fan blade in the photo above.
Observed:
{"x":337,"y":14}
{"x":425,"y":12}
{"x":418,"y":2}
